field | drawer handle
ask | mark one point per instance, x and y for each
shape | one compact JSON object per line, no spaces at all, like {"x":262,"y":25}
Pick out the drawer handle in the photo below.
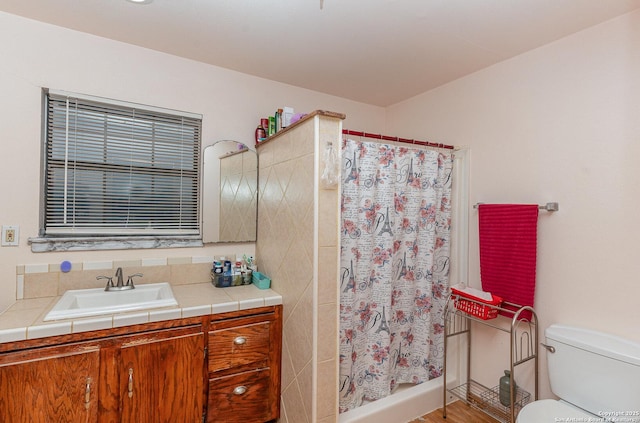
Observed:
{"x":239,"y":390}
{"x":87,"y":394}
{"x":240,"y":340}
{"x":130,"y":383}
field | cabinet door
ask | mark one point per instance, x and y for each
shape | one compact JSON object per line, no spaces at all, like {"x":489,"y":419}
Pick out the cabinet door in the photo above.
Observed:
{"x":57,"y":384}
{"x":162,"y":377}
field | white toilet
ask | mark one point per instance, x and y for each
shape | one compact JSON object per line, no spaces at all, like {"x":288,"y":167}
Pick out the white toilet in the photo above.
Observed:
{"x":596,"y":376}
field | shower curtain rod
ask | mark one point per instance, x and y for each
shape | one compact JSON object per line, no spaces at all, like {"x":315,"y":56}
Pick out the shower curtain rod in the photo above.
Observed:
{"x":396,"y":139}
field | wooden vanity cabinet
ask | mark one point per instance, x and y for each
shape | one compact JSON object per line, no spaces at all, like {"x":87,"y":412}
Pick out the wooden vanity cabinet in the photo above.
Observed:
{"x":222,"y":368}
{"x":53,"y":384}
{"x":244,"y":368}
{"x":153,"y":377}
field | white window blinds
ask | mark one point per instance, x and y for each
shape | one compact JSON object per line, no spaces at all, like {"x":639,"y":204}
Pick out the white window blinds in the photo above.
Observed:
{"x":114,"y":168}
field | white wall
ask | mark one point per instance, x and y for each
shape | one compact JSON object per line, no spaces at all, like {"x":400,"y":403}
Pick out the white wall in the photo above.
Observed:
{"x":35,"y":55}
{"x":559,"y":123}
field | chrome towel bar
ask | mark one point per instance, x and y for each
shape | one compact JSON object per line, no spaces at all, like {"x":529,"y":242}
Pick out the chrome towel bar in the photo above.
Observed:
{"x":550,"y":207}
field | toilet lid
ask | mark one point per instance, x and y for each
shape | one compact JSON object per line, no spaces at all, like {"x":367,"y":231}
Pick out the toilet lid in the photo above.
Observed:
{"x":544,"y":411}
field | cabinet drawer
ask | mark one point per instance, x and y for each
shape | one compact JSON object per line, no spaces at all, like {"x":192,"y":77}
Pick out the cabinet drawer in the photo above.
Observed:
{"x":241,"y":398}
{"x":239,"y":346}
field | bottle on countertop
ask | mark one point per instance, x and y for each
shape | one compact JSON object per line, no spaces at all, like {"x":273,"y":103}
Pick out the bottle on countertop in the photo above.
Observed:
{"x":250,"y":262}
{"x":226,"y":268}
{"x":217,"y":267}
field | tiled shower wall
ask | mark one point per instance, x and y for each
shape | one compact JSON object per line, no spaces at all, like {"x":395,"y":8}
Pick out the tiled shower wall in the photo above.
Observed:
{"x":298,"y":248}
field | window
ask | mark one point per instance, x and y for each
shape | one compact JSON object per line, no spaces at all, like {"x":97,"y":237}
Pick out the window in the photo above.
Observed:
{"x":114,"y":169}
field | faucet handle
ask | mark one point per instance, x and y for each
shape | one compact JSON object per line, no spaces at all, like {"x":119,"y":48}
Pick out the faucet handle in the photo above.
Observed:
{"x":109,"y":281}
{"x":130,"y":279}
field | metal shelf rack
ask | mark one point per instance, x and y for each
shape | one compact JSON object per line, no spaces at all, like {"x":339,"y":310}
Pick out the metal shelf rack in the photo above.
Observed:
{"x":523,"y":333}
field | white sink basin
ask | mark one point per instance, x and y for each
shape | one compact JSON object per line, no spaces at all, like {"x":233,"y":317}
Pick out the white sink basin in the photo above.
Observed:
{"x":94,"y":302}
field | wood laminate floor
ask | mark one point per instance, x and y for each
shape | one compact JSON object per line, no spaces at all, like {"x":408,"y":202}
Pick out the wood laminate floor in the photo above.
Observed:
{"x":457,"y":412}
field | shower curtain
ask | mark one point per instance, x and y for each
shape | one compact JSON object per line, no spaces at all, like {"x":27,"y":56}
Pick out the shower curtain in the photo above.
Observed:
{"x":395,"y":226}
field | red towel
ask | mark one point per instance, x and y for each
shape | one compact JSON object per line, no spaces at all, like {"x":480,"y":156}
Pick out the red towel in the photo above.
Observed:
{"x":508,"y":246}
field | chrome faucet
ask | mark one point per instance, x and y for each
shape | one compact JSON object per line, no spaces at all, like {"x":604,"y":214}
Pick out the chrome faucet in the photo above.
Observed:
{"x":120,"y":285}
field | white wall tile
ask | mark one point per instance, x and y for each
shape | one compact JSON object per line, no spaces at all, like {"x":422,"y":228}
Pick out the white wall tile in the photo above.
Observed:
{"x":11,"y":335}
{"x":161,"y":315}
{"x":53,"y":329}
{"x":97,"y":265}
{"x":130,"y":319}
{"x":86,"y":325}
{"x":36,"y":268}
{"x":154,"y":262}
{"x":225,"y":307}
{"x":19,"y":287}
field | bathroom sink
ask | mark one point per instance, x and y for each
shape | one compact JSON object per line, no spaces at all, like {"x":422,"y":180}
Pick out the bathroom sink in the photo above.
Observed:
{"x":94,"y":302}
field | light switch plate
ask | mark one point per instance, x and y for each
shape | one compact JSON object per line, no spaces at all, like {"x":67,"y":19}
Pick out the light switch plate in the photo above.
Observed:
{"x":10,"y":235}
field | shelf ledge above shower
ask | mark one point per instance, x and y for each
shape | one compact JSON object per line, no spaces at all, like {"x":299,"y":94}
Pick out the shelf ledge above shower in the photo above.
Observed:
{"x":308,"y":116}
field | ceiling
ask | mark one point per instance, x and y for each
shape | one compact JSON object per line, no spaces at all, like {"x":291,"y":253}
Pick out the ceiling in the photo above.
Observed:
{"x":378,"y":52}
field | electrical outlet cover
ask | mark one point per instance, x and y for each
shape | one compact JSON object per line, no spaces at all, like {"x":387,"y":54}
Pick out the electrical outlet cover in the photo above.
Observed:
{"x":10,"y":235}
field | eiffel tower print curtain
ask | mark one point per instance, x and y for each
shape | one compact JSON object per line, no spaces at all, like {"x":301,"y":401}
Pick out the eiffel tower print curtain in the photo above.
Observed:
{"x":395,"y":238}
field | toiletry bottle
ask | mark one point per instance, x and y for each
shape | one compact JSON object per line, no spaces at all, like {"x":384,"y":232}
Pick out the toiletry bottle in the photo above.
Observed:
{"x":226,"y":268}
{"x":279,"y":120}
{"x":272,"y":126}
{"x":505,"y":389}
{"x":261,"y":134}
{"x":287,"y":113}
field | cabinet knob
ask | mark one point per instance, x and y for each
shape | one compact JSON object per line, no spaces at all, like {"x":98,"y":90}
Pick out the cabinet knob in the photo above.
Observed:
{"x":240,"y":340}
{"x":239,"y":390}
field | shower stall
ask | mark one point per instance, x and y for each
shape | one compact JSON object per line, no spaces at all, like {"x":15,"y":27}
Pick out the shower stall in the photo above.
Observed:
{"x":299,"y":247}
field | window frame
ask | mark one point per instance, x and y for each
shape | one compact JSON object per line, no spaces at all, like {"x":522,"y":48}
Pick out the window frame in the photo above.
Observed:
{"x":69,"y":239}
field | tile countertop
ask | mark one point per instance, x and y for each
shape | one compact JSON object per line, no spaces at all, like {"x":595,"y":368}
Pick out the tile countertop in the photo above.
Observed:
{"x":24,"y":319}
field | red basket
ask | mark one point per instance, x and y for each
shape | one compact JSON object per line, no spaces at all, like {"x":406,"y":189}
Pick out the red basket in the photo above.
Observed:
{"x":479,"y":308}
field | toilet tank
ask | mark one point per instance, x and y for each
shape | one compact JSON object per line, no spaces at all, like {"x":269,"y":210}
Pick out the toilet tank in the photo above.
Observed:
{"x":595,"y":371}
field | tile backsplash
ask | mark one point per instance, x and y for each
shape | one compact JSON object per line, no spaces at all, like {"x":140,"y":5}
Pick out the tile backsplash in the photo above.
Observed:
{"x":47,"y":280}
